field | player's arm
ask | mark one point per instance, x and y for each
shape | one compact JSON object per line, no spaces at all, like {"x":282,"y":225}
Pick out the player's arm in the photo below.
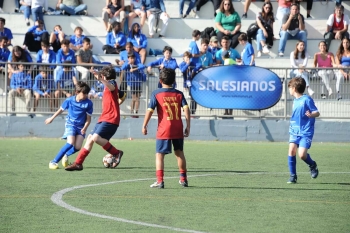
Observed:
{"x":86,"y":125}
{"x":188,"y":120}
{"x":50,"y":119}
{"x":107,"y":84}
{"x":146,"y":120}
{"x":312,"y":114}
{"x":121,"y":96}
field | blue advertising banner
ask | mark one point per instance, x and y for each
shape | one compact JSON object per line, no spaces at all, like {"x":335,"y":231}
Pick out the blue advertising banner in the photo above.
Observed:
{"x":236,"y":87}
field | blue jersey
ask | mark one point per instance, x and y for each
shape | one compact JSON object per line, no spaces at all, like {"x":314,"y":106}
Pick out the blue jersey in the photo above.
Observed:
{"x":7,"y":32}
{"x":207,"y":59}
{"x":61,"y":56}
{"x":233,"y":54}
{"x":193,"y":49}
{"x":247,"y":54}
{"x":77,"y":111}
{"x":300,"y":124}
{"x":65,"y":79}
{"x":76,"y":40}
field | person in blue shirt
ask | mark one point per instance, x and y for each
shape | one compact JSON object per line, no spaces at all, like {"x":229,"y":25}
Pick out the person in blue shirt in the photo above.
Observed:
{"x":46,"y":55}
{"x":213,"y":47}
{"x":34,"y":36}
{"x":56,"y":37}
{"x":4,"y":51}
{"x":21,"y":85}
{"x":193,"y":48}
{"x":78,"y":119}
{"x":65,"y":83}
{"x":165,"y":62}
{"x":43,"y":85}
{"x":76,"y":41}
{"x":134,"y":77}
{"x":96,"y":90}
{"x":225,"y":43}
{"x":301,"y":129}
{"x":189,"y":70}
{"x":207,"y":58}
{"x":248,"y":51}
{"x":115,"y":40}
{"x":64,"y":54}
{"x":5,"y":31}
{"x":139,"y":41}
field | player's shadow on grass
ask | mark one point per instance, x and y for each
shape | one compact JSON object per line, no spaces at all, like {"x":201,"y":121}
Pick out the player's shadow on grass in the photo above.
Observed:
{"x":291,"y":187}
{"x":140,"y":169}
{"x":208,"y":170}
{"x":333,"y":183}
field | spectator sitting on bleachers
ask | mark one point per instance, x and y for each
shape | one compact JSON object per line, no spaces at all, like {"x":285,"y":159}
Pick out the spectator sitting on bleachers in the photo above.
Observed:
{"x":113,"y":11}
{"x":200,"y":3}
{"x":26,"y":8}
{"x":84,"y":59}
{"x":139,"y":41}
{"x":298,"y":60}
{"x":46,"y":55}
{"x":5,"y":31}
{"x":213,"y":47}
{"x":37,"y":9}
{"x":156,"y":9}
{"x":207,"y":57}
{"x":4,"y":52}
{"x":115,"y":40}
{"x":43,"y":85}
{"x":18,"y":54}
{"x":265,"y":20}
{"x":293,"y":27}
{"x":337,"y":26}
{"x":76,"y":41}
{"x":324,"y":59}
{"x":189,"y":8}
{"x":21,"y":85}
{"x":64,"y":54}
{"x":282,"y":10}
{"x":225,"y":42}
{"x":72,"y":7}
{"x":65,"y":82}
{"x":343,"y":61}
{"x":136,"y":10}
{"x":246,"y":7}
{"x":228,"y":23}
{"x":56,"y":37}
{"x":35,"y":36}
{"x":134,"y":78}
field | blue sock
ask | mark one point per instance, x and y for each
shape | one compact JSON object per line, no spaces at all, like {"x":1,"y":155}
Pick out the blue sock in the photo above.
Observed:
{"x":62,"y":152}
{"x":292,"y":163}
{"x":309,"y":160}
{"x":71,"y":151}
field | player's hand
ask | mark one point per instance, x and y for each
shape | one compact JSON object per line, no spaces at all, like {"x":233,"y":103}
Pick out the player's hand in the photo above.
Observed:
{"x":48,"y":120}
{"x":83,"y":131}
{"x":149,"y":69}
{"x":308,"y":113}
{"x":161,"y":66}
{"x":187,"y":132}
{"x":144,"y":130}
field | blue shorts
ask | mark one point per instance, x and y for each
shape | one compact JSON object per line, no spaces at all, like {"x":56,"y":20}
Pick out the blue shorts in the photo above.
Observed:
{"x":164,"y":145}
{"x":105,"y":130}
{"x":304,"y":142}
{"x":72,"y":130}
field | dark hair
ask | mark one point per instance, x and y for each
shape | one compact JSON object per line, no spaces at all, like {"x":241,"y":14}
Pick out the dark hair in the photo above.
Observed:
{"x":187,"y":54}
{"x":2,"y":20}
{"x":324,"y":42}
{"x":196,"y":33}
{"x":205,"y":41}
{"x":268,"y":15}
{"x":109,"y":72}
{"x":131,"y":55}
{"x":341,"y":48}
{"x":167,"y":76}
{"x":295,"y":4}
{"x":82,"y":87}
{"x":78,"y":28}
{"x":296,"y":50}
{"x":43,"y":69}
{"x":129,"y":43}
{"x":113,"y":25}
{"x":168,"y":48}
{"x":40,"y":21}
{"x":86,"y":40}
{"x":298,"y":83}
{"x":243,"y":37}
{"x":67,"y":62}
{"x":23,"y":56}
{"x":44,"y":43}
{"x":225,"y":38}
{"x":65,"y":42}
{"x":4,"y":38}
{"x":222,"y":9}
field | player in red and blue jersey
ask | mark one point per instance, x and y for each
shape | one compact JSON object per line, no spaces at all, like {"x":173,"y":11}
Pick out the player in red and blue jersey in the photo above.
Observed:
{"x":301,"y":129}
{"x":77,"y":121}
{"x":108,"y":122}
{"x":168,"y":102}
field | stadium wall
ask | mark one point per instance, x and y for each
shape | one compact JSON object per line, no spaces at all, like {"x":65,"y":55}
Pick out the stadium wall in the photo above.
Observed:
{"x":201,"y":129}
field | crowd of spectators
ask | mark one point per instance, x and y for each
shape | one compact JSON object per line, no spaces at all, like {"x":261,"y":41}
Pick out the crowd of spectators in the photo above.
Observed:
{"x":72,"y":59}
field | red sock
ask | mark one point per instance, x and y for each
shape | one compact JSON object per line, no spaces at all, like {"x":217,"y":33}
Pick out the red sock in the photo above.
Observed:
{"x":110,"y":149}
{"x":81,"y":156}
{"x":183,"y":175}
{"x":160,"y":175}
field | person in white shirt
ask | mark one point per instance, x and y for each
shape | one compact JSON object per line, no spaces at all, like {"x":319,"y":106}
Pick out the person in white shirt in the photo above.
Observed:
{"x":337,"y":26}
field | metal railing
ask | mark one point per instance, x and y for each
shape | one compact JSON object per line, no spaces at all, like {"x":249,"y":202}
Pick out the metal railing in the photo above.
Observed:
{"x":14,"y":102}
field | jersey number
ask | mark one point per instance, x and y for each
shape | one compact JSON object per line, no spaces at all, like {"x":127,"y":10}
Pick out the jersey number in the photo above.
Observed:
{"x":170,"y":111}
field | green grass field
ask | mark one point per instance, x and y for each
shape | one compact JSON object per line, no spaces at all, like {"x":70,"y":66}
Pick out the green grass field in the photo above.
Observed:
{"x":234,"y":187}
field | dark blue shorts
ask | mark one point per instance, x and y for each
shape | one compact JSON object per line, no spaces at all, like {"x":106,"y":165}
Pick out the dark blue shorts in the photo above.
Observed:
{"x":105,"y":130}
{"x":164,"y":145}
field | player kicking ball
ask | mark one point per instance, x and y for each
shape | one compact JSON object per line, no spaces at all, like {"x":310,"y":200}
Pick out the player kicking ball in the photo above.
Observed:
{"x":168,"y":102}
{"x":301,"y":129}
{"x":77,"y":121}
{"x":108,"y":122}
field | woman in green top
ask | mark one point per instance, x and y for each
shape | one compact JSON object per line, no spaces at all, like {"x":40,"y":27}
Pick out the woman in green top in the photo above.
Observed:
{"x":228,"y":23}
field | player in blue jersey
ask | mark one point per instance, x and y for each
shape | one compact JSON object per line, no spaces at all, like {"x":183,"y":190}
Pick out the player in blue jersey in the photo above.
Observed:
{"x":77,"y":121}
{"x":301,"y":129}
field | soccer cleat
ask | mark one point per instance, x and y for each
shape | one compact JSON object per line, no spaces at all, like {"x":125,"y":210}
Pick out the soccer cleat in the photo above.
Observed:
{"x":314,"y":171}
{"x":183,"y":183}
{"x":159,"y":185}
{"x":65,"y":161}
{"x":292,"y":179}
{"x":53,"y":165}
{"x":74,"y":167}
{"x":117,"y":159}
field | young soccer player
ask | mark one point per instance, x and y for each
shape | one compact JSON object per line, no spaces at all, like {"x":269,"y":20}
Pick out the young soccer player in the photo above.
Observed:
{"x":108,"y":122}
{"x":168,"y":102}
{"x":301,"y":129}
{"x":77,"y":121}
{"x":248,"y":51}
{"x":134,"y":77}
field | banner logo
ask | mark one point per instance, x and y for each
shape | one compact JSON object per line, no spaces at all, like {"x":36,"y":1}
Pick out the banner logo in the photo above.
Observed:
{"x":236,"y":87}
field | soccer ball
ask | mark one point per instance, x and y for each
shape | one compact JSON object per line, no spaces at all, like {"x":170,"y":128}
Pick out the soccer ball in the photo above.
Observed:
{"x":107,"y":160}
